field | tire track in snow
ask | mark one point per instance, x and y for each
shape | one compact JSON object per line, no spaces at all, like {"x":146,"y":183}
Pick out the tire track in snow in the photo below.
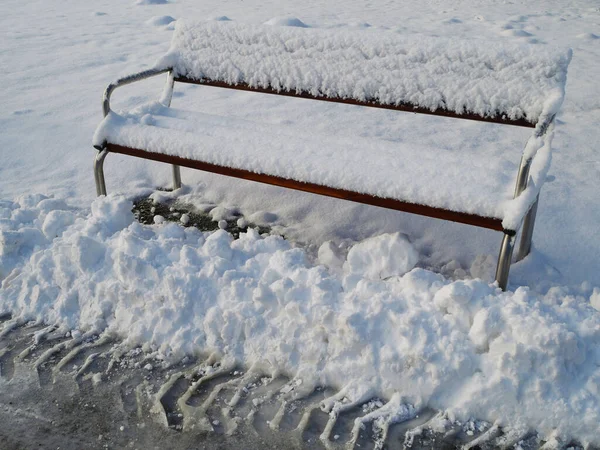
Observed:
{"x":214,"y":397}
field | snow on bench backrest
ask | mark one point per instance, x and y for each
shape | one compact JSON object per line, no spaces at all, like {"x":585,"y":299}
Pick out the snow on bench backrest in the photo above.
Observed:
{"x":483,"y":78}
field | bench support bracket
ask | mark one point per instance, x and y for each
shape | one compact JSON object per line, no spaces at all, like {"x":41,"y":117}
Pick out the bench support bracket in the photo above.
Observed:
{"x":504,"y":259}
{"x":99,"y":172}
{"x":527,"y":231}
{"x":176,"y":177}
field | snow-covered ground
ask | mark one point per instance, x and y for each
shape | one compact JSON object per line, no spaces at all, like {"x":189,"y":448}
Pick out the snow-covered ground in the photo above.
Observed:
{"x":438,"y":335}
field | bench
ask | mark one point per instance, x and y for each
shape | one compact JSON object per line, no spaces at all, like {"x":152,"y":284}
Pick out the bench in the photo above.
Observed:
{"x":510,"y":85}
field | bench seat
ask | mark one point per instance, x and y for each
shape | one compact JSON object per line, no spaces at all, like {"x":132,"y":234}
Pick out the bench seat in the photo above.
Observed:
{"x":478,"y":181}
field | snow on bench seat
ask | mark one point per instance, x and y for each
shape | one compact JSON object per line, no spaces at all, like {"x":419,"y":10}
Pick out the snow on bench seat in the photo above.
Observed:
{"x":476,"y":179}
{"x":484,"y":78}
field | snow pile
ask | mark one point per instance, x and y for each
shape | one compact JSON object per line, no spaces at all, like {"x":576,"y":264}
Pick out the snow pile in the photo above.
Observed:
{"x":485,"y":78}
{"x":514,"y":358}
{"x":27,"y":224}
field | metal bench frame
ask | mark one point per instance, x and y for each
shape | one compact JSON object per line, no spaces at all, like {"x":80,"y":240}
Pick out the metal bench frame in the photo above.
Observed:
{"x":508,"y":241}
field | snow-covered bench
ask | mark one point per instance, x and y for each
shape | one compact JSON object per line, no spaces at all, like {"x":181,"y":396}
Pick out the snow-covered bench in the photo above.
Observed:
{"x":489,"y":82}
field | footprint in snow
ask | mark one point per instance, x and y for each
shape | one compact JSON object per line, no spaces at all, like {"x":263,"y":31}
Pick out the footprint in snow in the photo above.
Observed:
{"x":451,"y":21}
{"x":588,"y":36}
{"x":220,"y":18}
{"x":151,"y":2}
{"x":516,"y":32}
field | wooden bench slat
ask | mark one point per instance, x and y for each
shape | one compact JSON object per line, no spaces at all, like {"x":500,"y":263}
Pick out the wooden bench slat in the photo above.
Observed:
{"x":413,"y":208}
{"x":491,"y":80}
{"x":349,"y":101}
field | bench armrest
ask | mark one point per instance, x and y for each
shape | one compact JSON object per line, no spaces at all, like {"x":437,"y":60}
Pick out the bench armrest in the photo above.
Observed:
{"x":128,"y":80}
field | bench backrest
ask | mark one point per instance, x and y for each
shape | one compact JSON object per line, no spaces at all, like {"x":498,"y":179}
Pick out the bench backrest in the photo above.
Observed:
{"x":514,"y":84}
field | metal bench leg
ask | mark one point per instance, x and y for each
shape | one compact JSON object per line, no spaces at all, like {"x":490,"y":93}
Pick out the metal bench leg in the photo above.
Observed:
{"x":504,"y":259}
{"x":99,"y":172}
{"x":527,"y":233}
{"x":176,"y":177}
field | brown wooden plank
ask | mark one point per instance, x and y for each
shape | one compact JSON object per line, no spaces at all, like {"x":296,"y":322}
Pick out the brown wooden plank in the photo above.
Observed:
{"x":401,"y":107}
{"x":423,"y":210}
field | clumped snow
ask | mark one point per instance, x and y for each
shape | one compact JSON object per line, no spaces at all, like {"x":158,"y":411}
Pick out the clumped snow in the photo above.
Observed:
{"x":416,"y":172}
{"x":485,"y":78}
{"x":382,"y":257}
{"x":462,"y":346}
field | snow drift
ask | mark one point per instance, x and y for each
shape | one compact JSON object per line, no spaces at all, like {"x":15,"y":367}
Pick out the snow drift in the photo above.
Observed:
{"x":461,"y":346}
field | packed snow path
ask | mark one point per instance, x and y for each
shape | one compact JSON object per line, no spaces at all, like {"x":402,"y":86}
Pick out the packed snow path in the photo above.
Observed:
{"x":89,"y":390}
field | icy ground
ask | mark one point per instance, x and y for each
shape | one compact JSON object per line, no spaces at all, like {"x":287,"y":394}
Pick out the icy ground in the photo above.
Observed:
{"x":439,"y":335}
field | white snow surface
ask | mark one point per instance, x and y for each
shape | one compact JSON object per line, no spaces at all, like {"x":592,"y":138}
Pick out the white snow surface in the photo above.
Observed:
{"x":485,"y":78}
{"x":456,"y":177}
{"x":462,"y":346}
{"x":94,"y":268}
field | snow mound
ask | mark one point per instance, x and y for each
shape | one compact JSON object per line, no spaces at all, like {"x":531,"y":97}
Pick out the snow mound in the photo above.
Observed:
{"x":158,"y":21}
{"x":381,"y":257}
{"x":516,"y":358}
{"x":286,"y":21}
